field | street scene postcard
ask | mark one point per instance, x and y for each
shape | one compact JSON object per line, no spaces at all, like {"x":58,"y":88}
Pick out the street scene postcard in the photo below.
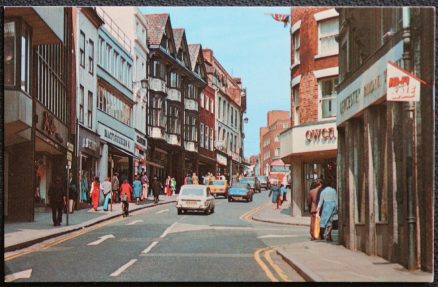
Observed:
{"x":218,"y":144}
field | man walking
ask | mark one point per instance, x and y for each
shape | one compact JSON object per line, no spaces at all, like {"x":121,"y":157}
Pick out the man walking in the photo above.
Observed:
{"x":115,"y":187}
{"x":145,"y":185}
{"x":58,"y":199}
{"x":106,"y":189}
{"x":195,"y":178}
{"x":156,"y":189}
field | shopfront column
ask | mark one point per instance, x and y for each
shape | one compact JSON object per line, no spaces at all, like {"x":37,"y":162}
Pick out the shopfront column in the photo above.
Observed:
{"x":103,"y":163}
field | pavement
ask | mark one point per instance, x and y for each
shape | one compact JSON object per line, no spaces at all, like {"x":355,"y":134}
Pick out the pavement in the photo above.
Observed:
{"x":23,"y":234}
{"x":321,"y":261}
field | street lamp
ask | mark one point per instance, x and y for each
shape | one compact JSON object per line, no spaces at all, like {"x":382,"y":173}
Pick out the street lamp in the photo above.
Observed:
{"x":144,"y":83}
{"x":245,"y":120}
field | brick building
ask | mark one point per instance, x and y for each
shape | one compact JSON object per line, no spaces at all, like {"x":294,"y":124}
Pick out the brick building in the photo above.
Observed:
{"x":277,"y":122}
{"x":310,"y":144}
{"x":386,"y":148}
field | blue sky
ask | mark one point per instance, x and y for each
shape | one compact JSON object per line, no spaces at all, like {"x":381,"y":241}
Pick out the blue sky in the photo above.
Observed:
{"x":249,"y":45}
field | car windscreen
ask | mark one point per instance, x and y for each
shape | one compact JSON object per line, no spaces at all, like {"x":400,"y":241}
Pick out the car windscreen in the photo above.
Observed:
{"x":239,"y":185}
{"x":192,"y":191}
{"x":263,"y":178}
{"x":217,"y":182}
{"x":247,"y":180}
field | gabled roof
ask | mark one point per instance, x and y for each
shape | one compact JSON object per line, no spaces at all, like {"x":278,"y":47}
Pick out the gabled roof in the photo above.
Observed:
{"x":178,"y":36}
{"x":156,"y":24}
{"x":194,"y":52}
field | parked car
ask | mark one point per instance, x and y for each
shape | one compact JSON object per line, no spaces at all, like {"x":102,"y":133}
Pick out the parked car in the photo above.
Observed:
{"x":195,"y":198}
{"x":218,"y":187}
{"x":253,"y":183}
{"x":264,"y":182}
{"x":240,"y":191}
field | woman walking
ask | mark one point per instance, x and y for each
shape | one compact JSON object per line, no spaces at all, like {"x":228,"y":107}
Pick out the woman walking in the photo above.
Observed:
{"x":137,"y":189}
{"x":173,"y":185}
{"x":125,"y":196}
{"x":328,"y":200}
{"x":84,"y":188}
{"x":167,"y":185}
{"x":95,"y":193}
{"x":275,"y":191}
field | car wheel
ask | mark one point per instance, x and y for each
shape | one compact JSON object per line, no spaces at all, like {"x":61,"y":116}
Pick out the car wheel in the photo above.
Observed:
{"x":229,"y":199}
{"x":179,"y":211}
{"x":212,"y":211}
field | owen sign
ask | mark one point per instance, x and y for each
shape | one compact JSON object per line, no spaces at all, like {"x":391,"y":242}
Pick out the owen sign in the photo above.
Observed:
{"x":316,"y":135}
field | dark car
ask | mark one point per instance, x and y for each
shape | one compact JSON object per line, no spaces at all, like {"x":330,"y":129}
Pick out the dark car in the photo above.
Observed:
{"x":240,"y":191}
{"x":253,"y":182}
{"x":264,"y":182}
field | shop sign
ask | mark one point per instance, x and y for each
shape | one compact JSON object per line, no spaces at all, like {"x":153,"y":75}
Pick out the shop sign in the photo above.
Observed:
{"x":69,"y":156}
{"x":235,"y":157}
{"x":402,"y":85}
{"x":221,"y":159}
{"x":141,"y":140}
{"x":367,"y":88}
{"x":49,"y":125}
{"x":89,"y":144}
{"x":316,"y":135}
{"x":116,"y":138}
{"x":70,"y":146}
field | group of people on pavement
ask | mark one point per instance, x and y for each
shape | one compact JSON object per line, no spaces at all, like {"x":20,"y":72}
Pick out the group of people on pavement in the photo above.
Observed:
{"x":278,"y":193}
{"x":323,"y":205}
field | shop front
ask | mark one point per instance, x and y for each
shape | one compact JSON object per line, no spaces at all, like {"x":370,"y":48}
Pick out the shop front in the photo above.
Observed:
{"x":89,"y":144}
{"x":221,"y":163}
{"x":312,"y":155}
{"x":140,"y":153}
{"x":206,"y":164}
{"x":117,"y":153}
{"x":50,"y":153}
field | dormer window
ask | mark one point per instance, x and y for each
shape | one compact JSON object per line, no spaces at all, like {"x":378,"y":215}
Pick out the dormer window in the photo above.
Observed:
{"x":181,"y":55}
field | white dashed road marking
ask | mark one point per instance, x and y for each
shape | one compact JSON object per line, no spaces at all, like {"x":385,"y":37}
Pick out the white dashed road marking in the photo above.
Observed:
{"x":18,"y":275}
{"x":149,"y":248}
{"x":162,"y":211}
{"x":123,"y":268}
{"x":134,"y":222}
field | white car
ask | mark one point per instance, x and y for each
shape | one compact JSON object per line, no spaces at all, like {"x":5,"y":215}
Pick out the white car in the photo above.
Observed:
{"x":193,"y":197}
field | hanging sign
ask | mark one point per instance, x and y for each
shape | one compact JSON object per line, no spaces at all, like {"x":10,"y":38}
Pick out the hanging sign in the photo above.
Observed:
{"x":402,"y":86}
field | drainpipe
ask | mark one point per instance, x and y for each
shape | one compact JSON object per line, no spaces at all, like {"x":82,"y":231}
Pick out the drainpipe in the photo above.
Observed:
{"x":409,"y":144}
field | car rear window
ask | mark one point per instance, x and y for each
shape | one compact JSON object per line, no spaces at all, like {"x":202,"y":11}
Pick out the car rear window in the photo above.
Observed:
{"x":247,"y":180}
{"x":240,"y":185}
{"x":217,"y":182}
{"x":192,"y":191}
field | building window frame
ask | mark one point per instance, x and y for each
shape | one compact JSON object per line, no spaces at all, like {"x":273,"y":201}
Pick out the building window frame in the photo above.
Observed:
{"x":326,"y":98}
{"x":91,"y":56}
{"x":173,"y":125}
{"x":296,"y":47}
{"x":328,"y":36}
{"x":82,"y":49}
{"x":81,"y":103}
{"x":90,"y":110}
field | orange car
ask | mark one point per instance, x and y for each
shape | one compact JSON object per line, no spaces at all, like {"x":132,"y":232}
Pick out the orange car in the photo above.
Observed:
{"x":219,"y":187}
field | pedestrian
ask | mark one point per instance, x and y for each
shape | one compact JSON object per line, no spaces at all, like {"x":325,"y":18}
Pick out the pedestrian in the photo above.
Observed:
{"x":173,"y":185}
{"x":328,"y":200}
{"x":115,"y":187}
{"x":284,"y":183}
{"x":137,"y":189}
{"x":95,"y":193}
{"x":58,"y":200}
{"x":315,"y":189}
{"x":195,"y":178}
{"x":145,"y":185}
{"x":275,"y":192}
{"x":168,"y":190}
{"x":106,"y":189}
{"x":84,"y":187}
{"x":72,"y":193}
{"x":125,"y":196}
{"x":283,"y":191}
{"x":156,"y":189}
{"x":188,"y":179}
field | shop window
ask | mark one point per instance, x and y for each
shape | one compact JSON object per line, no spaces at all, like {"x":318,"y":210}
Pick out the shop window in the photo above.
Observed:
{"x":357,"y":167}
{"x":81,"y":104}
{"x":327,"y":31}
{"x":296,"y":46}
{"x":82,"y":49}
{"x":327,"y":94}
{"x":378,"y":147}
{"x":91,"y":56}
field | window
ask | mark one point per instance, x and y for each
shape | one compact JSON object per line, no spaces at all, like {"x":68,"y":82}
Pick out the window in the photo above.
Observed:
{"x":190,"y":131}
{"x":129,"y":75}
{"x":81,"y":104}
{"x":211,"y":106}
{"x":232,"y":116}
{"x":296,"y":101}
{"x":90,"y":109}
{"x":115,"y":61}
{"x":9,"y":60}
{"x":122,"y":74}
{"x":156,"y":111}
{"x":191,"y":92}
{"x":107,"y":59}
{"x":207,"y":137}
{"x":100,"y":48}
{"x":327,"y":91}
{"x":211,"y":138}
{"x":174,"y":80}
{"x":201,"y":141}
{"x":207,"y":104}
{"x":202,"y":100}
{"x":296,"y":46}
{"x":276,"y":139}
{"x":82,"y":49}
{"x":158,"y":70}
{"x":91,"y":56}
{"x":285,"y":126}
{"x":235,"y":118}
{"x":223,"y":110}
{"x":173,"y":119}
{"x":235,"y":143}
{"x":277,"y":152}
{"x":327,"y":31}
{"x":114,"y":106}
{"x":219,"y":108}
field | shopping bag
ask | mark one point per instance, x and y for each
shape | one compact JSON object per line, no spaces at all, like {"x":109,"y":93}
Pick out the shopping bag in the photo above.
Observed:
{"x":316,"y":227}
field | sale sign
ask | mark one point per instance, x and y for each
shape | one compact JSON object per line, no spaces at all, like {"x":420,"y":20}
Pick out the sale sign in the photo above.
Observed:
{"x":402,"y":86}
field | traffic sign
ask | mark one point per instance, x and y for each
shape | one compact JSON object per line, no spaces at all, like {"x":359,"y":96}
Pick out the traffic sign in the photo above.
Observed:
{"x":69,"y":156}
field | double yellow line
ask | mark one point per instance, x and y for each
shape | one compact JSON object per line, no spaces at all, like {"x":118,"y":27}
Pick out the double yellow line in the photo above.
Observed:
{"x":278,"y":274}
{"x":247,"y":216}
